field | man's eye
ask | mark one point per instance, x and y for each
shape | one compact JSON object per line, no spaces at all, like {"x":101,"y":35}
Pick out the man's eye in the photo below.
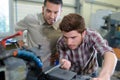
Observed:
{"x":48,"y":11}
{"x":56,"y":12}
{"x":73,"y":37}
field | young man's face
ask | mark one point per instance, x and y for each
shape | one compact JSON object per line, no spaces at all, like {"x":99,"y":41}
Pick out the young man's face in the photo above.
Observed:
{"x":73,"y":39}
{"x":51,"y":12}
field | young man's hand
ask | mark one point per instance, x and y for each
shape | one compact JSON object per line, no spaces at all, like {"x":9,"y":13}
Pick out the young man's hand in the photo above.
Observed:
{"x":65,"y":64}
{"x":104,"y":77}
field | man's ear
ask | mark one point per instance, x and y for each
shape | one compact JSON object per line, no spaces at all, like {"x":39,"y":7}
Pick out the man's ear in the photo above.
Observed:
{"x":83,"y":33}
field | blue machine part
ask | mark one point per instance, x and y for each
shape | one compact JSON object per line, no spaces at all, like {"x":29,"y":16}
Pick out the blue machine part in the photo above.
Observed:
{"x":31,"y":56}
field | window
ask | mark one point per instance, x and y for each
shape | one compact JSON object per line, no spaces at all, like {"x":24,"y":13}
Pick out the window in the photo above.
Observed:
{"x":6,"y":17}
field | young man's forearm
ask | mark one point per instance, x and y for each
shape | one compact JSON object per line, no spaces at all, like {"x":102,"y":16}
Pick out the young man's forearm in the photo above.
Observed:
{"x":109,"y":64}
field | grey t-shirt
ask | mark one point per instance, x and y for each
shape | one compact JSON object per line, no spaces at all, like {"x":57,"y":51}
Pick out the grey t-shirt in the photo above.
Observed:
{"x":38,"y":32}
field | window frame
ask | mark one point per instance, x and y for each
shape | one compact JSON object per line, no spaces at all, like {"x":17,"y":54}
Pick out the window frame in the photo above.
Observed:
{"x":11,"y":20}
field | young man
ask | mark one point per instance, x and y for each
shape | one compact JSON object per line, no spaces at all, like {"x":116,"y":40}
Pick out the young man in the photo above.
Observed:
{"x":42,"y":28}
{"x":78,"y":49}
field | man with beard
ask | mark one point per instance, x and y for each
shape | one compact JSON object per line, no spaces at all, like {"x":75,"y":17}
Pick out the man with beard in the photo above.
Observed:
{"x":78,"y":48}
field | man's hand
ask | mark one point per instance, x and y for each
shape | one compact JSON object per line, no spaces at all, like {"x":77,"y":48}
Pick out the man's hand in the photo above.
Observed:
{"x":65,"y":64}
{"x":104,"y":77}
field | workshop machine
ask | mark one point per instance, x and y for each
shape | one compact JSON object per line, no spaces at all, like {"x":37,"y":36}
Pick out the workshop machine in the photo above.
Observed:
{"x":112,"y":25}
{"x":28,"y":64}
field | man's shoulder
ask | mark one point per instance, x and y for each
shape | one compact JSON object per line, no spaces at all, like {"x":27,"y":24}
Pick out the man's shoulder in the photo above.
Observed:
{"x":91,"y":35}
{"x":91,"y":32}
{"x":32,"y":18}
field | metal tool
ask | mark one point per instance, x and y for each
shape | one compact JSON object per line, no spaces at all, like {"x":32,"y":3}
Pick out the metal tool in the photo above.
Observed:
{"x":57,"y":66}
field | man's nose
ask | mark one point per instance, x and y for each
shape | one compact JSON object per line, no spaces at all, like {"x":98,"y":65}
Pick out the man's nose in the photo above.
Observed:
{"x":69,"y":41}
{"x":52,"y":15}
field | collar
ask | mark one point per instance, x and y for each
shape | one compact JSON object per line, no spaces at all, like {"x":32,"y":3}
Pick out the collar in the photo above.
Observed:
{"x":55,"y":25}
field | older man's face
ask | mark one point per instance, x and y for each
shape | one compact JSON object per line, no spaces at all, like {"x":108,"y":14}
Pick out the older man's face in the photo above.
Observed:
{"x":51,"y":12}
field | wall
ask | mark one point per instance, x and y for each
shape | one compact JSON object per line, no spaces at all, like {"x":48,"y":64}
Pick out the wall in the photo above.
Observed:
{"x":24,"y":7}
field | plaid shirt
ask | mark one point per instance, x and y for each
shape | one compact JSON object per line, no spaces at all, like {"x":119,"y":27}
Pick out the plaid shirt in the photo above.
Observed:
{"x":84,"y":58}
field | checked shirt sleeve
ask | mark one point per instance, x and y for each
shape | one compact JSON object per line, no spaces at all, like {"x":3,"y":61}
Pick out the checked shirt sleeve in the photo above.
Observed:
{"x":101,"y":44}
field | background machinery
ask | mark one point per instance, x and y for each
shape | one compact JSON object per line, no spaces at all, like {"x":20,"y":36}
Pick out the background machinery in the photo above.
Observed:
{"x":112,"y":26}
